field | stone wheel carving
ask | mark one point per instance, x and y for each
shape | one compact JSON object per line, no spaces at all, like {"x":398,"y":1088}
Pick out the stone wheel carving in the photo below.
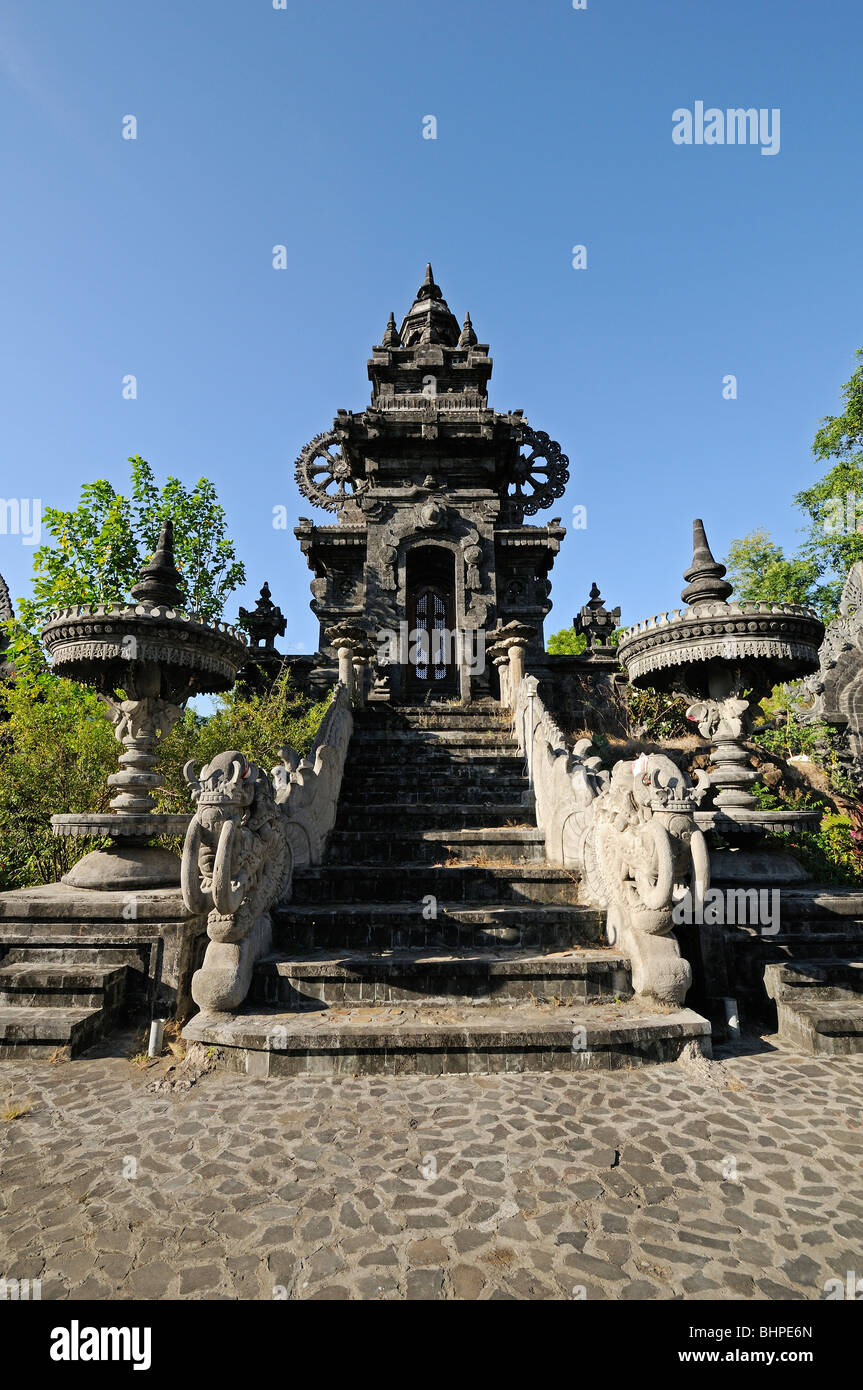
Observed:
{"x":540,"y":473}
{"x":323,"y":473}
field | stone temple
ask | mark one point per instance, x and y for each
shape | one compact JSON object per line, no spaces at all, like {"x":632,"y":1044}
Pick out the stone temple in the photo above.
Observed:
{"x":430,"y":489}
{"x":459,"y":876}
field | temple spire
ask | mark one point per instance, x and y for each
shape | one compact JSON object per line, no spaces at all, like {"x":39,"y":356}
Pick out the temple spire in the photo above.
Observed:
{"x":467,"y":337}
{"x":704,"y":581}
{"x":391,"y":337}
{"x":429,"y":319}
{"x":161,"y":581}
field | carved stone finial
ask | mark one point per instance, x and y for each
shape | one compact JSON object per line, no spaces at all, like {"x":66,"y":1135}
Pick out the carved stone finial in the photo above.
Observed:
{"x":467,"y":337}
{"x":391,"y":337}
{"x":161,"y":581}
{"x":429,"y":320}
{"x":596,"y":621}
{"x":265,"y":622}
{"x":704,"y":582}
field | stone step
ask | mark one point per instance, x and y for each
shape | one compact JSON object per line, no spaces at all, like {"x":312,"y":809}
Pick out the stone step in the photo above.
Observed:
{"x":425,"y":741}
{"x":35,"y":983}
{"x":833,"y":1027}
{"x":433,"y":816}
{"x":819,"y":1002}
{"x":430,"y":789}
{"x":27,"y":1032}
{"x":471,"y":885}
{"x":408,"y":926}
{"x":408,"y":763}
{"x":510,"y":845}
{"x":411,"y":1039}
{"x":433,"y":716}
{"x":84,"y":956}
{"x":355,"y":977}
{"x":827,"y":978}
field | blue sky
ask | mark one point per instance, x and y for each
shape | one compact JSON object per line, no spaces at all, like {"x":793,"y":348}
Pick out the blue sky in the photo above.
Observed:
{"x":303,"y":127}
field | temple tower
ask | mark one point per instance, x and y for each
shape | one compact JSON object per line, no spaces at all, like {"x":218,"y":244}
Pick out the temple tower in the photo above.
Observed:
{"x":430,"y":488}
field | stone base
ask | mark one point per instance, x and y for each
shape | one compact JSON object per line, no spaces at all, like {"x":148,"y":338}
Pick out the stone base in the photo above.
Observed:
{"x":55,"y":940}
{"x":125,"y":868}
{"x":812,"y":924}
{"x":447,"y":1040}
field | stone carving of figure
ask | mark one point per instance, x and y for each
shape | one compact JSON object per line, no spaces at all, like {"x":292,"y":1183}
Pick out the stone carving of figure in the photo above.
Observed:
{"x":388,"y":559}
{"x":472,"y":557}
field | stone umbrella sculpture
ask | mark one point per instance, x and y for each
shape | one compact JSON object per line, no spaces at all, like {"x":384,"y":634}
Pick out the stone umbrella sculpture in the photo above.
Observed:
{"x":158,"y":656}
{"x":725,"y":656}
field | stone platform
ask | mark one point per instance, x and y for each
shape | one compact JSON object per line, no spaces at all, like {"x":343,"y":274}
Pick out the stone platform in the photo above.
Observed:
{"x":73,"y":961}
{"x":438,"y":1039}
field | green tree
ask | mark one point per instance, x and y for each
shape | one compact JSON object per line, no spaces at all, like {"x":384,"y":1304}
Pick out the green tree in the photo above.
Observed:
{"x":100,"y":546}
{"x":56,"y":751}
{"x":833,"y":536}
{"x":567,"y":642}
{"x":257,"y":723}
{"x":834,"y":539}
{"x":761,"y":573}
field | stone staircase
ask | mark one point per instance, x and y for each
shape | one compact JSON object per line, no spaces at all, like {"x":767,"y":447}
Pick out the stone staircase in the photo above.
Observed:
{"x":819,"y":1003}
{"x":435,"y":937}
{"x":811,"y":969}
{"x":54,"y":1004}
{"x":76,"y":963}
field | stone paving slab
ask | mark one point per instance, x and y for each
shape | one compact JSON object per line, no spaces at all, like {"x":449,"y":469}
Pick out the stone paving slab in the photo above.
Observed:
{"x":734,"y":1180}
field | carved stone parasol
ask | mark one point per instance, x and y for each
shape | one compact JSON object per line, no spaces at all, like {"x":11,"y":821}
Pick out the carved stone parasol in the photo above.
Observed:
{"x":725,"y":656}
{"x":158,"y":656}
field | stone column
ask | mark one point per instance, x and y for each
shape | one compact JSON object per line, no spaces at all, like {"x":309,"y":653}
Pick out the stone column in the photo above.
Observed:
{"x":346,"y":667}
{"x":362,"y":656}
{"x":511,"y":641}
{"x":353,"y":647}
{"x":516,"y":664}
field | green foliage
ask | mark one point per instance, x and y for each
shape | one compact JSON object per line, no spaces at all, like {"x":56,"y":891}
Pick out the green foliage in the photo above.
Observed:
{"x":833,"y":506}
{"x":653,"y":716}
{"x":567,"y":642}
{"x":100,"y":546}
{"x":56,"y":750}
{"x":760,"y":573}
{"x":831,"y":850}
{"x":257,"y":724}
{"x":784,"y":735}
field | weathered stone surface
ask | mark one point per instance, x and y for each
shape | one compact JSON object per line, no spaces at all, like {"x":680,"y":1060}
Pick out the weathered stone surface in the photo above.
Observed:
{"x":537,"y":1224}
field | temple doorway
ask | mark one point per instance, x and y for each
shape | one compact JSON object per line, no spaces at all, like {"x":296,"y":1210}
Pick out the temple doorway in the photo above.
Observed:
{"x":432,"y":667}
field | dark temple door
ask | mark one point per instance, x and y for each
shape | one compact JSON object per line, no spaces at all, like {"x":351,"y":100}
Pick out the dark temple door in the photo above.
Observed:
{"x":432,"y":659}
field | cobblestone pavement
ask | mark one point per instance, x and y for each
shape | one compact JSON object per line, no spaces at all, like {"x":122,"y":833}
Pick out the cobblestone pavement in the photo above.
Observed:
{"x":734,"y":1180}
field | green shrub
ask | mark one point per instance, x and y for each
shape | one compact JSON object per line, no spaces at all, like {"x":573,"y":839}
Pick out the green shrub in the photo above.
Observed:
{"x":57,"y":749}
{"x":653,"y":716}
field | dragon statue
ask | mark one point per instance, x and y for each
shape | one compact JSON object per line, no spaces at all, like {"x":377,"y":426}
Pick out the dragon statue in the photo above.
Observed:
{"x":237,"y":863}
{"x":247,"y":836}
{"x":641,"y":846}
{"x":630,"y":834}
